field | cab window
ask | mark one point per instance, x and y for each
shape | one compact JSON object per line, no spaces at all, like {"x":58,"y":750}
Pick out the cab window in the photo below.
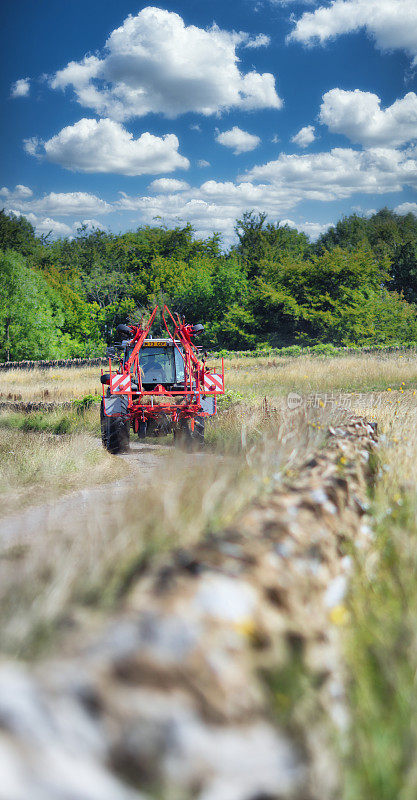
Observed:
{"x":179,"y":366}
{"x":157,"y":365}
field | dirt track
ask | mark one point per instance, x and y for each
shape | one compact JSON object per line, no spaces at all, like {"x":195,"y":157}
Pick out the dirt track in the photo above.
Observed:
{"x":142,"y":460}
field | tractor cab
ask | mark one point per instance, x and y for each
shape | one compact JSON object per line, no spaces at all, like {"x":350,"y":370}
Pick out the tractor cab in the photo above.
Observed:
{"x":160,"y":363}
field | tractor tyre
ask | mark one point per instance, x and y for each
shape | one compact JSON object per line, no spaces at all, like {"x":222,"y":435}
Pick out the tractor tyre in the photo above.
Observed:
{"x":188,"y":439}
{"x":182,"y":435}
{"x":142,"y":429}
{"x":103,"y":425}
{"x":115,"y":431}
{"x":198,"y":432}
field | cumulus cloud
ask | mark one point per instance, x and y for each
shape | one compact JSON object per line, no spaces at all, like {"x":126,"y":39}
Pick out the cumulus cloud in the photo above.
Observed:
{"x":203,"y":163}
{"x":406,"y":208}
{"x":55,"y":203}
{"x":391,"y":23}
{"x":239,"y":141}
{"x":216,"y":205}
{"x":156,"y":63}
{"x":168,"y":185}
{"x":20,"y":88}
{"x":358,"y":115}
{"x":305,"y":136}
{"x":106,"y":146}
{"x":55,"y":228}
{"x":312,"y":229}
{"x":339,"y":173}
{"x":18,"y":192}
{"x":276,"y":187}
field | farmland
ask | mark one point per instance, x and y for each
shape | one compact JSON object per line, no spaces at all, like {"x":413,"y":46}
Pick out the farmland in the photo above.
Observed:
{"x":79,"y":570}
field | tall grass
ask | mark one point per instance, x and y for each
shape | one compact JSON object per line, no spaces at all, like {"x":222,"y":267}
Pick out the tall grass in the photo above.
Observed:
{"x":253,"y":378}
{"x":381,"y":642}
{"x":35,"y":468}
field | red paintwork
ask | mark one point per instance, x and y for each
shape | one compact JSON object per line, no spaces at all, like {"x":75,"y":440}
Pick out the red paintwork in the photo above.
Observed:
{"x":190,"y":396}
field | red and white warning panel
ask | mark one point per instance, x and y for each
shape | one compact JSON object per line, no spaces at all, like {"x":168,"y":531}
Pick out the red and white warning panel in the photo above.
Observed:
{"x":120,"y":384}
{"x":213,"y":382}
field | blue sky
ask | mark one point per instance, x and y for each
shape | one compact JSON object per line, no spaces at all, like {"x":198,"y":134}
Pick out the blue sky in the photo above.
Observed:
{"x":121,"y":114}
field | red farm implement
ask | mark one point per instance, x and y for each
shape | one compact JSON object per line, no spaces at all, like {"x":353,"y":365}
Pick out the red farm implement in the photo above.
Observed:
{"x":158,"y":386}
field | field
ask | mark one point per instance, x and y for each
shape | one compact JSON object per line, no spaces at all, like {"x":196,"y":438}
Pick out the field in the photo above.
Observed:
{"x":72,"y":576}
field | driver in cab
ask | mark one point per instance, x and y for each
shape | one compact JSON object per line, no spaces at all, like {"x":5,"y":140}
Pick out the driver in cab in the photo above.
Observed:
{"x":153,"y":372}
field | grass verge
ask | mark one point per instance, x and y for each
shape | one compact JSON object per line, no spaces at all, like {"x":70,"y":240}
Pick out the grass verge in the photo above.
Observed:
{"x":36,"y":467}
{"x":381,"y":640}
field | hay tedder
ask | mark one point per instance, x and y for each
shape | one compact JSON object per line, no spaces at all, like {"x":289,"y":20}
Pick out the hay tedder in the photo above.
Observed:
{"x":158,"y":386}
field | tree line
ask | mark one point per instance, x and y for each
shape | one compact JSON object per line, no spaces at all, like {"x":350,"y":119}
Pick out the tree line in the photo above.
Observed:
{"x":357,"y":285}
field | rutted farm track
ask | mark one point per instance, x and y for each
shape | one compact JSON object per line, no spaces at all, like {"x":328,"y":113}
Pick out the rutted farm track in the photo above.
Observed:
{"x":183,"y":693}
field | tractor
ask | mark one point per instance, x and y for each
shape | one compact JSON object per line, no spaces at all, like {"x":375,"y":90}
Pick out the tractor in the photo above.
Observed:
{"x":158,"y":386}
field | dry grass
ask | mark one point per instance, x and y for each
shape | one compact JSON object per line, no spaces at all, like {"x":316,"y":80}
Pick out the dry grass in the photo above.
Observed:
{"x":275,"y":377}
{"x":253,"y":378}
{"x":381,"y":641}
{"x":37,"y":467}
{"x":50,"y":385}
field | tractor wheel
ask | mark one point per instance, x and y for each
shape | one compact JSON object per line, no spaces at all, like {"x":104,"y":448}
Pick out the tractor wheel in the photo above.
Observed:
{"x":103,"y":425}
{"x":115,"y":432}
{"x":189,"y":439}
{"x":117,"y":435}
{"x":198,"y":433}
{"x":142,"y":429}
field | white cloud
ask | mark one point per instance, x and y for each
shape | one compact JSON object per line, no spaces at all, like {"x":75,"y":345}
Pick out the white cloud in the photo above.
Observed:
{"x":203,"y":163}
{"x":312,"y":229}
{"x":276,"y":187}
{"x":90,"y":225}
{"x":338,"y":174}
{"x":392,"y":23}
{"x":18,"y":192}
{"x":261,"y":40}
{"x":168,"y":185}
{"x":56,"y":203}
{"x":69,"y":203}
{"x":275,"y":138}
{"x":156,"y":63}
{"x":240,"y":141}
{"x":106,"y":146}
{"x":195,"y":127}
{"x":213,"y":206}
{"x":216,"y":206}
{"x":56,"y":229}
{"x":406,"y":208}
{"x":305,"y":136}
{"x":359,"y":116}
{"x":20,"y":88}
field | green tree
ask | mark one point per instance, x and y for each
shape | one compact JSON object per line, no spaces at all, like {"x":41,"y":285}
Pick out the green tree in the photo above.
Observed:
{"x":260,"y":240}
{"x":16,"y":233}
{"x":31,"y":313}
{"x":335,"y":297}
